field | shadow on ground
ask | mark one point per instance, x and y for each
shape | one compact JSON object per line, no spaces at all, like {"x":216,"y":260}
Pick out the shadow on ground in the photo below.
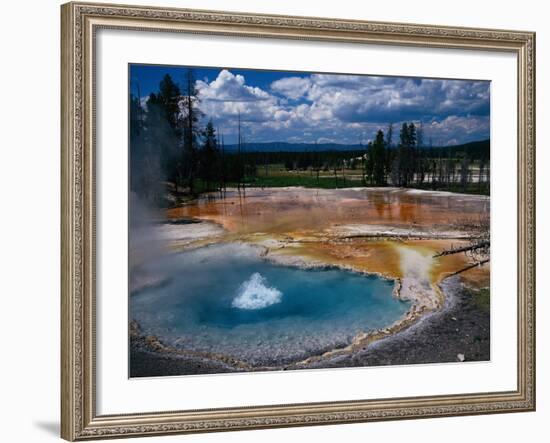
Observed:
{"x":49,"y":427}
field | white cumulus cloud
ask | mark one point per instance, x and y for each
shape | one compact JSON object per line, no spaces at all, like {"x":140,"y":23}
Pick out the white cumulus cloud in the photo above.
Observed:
{"x":291,"y":87}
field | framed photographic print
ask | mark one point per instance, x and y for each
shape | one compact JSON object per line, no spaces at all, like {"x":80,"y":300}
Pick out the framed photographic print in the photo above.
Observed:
{"x":281,"y":221}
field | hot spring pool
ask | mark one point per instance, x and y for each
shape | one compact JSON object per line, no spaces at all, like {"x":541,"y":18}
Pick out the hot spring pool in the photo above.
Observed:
{"x":227,"y":299}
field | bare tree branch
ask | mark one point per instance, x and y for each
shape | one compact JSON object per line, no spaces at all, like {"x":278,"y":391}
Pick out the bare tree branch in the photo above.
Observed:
{"x":479,"y":245}
{"x":467,"y":268}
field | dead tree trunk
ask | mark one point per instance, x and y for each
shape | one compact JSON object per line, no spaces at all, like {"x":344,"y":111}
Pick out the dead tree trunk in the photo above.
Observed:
{"x":467,"y":268}
{"x":479,"y":245}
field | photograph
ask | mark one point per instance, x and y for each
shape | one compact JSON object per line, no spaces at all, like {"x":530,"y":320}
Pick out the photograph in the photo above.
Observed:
{"x":289,"y":217}
{"x":284,"y":220}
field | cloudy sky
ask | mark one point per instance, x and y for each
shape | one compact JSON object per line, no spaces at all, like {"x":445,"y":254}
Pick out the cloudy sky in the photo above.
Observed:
{"x":306,"y":107}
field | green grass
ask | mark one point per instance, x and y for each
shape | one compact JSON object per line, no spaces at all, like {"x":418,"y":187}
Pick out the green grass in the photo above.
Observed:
{"x":277,"y":176}
{"x":482,"y":299}
{"x":328,"y":181}
{"x":471,"y":188}
{"x":305,"y":180}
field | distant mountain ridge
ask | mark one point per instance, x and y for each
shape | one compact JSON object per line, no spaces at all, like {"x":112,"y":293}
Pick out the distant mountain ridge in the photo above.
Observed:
{"x":294,"y":147}
{"x":475,"y":146}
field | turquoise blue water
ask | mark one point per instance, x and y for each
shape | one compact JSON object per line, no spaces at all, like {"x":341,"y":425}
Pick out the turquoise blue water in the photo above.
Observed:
{"x":227,"y":299}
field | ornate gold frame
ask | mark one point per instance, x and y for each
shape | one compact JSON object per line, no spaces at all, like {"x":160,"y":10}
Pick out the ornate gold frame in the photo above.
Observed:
{"x":80,"y":21}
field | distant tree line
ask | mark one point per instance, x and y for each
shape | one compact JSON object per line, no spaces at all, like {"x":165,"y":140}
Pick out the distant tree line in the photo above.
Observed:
{"x":408,"y":163}
{"x":411,"y":163}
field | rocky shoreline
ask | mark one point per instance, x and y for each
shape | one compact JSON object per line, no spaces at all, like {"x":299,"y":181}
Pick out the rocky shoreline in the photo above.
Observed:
{"x":459,"y":331}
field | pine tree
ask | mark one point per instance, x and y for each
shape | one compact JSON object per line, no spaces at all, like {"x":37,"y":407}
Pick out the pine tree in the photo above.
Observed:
{"x":378,"y":159}
{"x":164,"y":122}
{"x":169,"y":96}
{"x":209,"y":158}
{"x":190,"y":104}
